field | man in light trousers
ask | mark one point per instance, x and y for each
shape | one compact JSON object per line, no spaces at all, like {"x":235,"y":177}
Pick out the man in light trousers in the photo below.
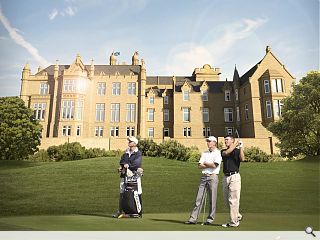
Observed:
{"x":232,"y":156}
{"x":209,"y":163}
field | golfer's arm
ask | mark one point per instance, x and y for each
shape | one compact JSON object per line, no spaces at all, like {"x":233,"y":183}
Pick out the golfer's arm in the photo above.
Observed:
{"x":201,"y":166}
{"x":211,"y":165}
{"x":242,"y":157}
{"x":229,"y":150}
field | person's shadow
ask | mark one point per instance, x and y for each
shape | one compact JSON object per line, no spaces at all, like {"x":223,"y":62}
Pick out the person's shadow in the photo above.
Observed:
{"x":179,"y":222}
{"x":96,"y":214}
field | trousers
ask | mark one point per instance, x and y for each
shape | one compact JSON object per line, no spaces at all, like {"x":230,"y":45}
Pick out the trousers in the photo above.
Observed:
{"x":231,"y":195}
{"x":207,"y":184}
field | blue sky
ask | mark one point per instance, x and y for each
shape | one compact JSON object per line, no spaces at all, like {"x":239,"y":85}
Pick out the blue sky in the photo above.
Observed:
{"x":173,"y":37}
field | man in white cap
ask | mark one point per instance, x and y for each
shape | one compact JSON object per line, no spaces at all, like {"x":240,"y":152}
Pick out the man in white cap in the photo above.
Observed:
{"x":209,"y":163}
{"x":130,"y":160}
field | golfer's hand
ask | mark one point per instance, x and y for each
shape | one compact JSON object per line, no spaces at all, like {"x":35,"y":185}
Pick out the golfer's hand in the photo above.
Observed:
{"x":126,"y":165}
{"x":201,"y":165}
{"x":119,"y":169}
{"x":240,"y":144}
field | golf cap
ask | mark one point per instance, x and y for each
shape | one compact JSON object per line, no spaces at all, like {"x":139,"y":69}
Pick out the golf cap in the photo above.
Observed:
{"x":133,"y":139}
{"x":211,"y":139}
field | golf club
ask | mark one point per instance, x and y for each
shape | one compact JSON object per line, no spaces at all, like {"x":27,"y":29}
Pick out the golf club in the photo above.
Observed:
{"x":238,"y":138}
{"x":204,"y":207}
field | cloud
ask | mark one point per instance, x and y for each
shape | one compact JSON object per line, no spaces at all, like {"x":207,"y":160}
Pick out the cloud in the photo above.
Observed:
{"x":15,"y":36}
{"x":188,"y":56}
{"x":53,"y":14}
{"x":68,"y":11}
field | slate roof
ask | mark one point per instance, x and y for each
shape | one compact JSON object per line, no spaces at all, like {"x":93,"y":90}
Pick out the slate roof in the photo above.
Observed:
{"x":159,"y":80}
{"x":107,"y":69}
{"x":214,"y":86}
{"x":245,"y":77}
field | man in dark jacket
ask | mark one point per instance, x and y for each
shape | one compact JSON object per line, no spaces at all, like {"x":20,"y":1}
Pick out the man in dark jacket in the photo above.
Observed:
{"x":130,"y":162}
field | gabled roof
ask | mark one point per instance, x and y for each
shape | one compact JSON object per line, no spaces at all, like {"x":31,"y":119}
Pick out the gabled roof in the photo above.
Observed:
{"x":214,"y":86}
{"x":245,"y":77}
{"x":248,"y":74}
{"x":157,"y":92}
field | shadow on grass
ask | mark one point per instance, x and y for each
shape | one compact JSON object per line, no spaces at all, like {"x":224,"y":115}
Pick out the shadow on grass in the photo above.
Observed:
{"x":11,"y":164}
{"x":96,"y":215}
{"x":312,"y":159}
{"x":181,"y":222}
{"x":11,"y":227}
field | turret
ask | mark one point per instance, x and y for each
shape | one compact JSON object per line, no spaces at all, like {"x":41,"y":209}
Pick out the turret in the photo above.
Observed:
{"x":26,"y":71}
{"x":91,"y":68}
{"x":113,"y":59}
{"x":143,"y":70}
{"x":24,"y":83}
{"x":39,"y":69}
{"x":143,"y":79}
{"x":174,"y":80}
{"x":135,"y":58}
{"x":78,"y":59}
{"x":56,"y":70}
{"x":236,"y":78}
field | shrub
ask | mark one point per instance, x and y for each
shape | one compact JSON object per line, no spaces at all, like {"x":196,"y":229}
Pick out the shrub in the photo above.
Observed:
{"x":221,"y":145}
{"x":53,"y":152}
{"x":40,"y":156}
{"x":149,"y":148}
{"x":193,"y":154}
{"x":115,"y":153}
{"x":276,"y":158}
{"x":67,"y":152}
{"x":96,"y":152}
{"x":173,"y":150}
{"x":255,"y":154}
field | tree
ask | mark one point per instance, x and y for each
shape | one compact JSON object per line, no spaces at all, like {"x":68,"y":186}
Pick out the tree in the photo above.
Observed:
{"x":19,"y":132}
{"x":299,"y":126}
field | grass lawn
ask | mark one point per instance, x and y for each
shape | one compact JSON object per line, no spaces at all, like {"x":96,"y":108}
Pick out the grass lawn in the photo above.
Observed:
{"x":82,"y":195}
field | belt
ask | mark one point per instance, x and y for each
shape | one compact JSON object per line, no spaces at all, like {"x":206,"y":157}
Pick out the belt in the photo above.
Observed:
{"x":230,"y":173}
{"x":208,"y":174}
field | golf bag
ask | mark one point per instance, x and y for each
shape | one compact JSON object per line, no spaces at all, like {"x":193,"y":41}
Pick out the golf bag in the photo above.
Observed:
{"x":131,"y":200}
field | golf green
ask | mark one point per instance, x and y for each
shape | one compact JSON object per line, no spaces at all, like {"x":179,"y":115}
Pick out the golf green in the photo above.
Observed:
{"x":83,"y":194}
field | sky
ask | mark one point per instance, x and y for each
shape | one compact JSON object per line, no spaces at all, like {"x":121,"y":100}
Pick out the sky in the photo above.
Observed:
{"x":173,"y":37}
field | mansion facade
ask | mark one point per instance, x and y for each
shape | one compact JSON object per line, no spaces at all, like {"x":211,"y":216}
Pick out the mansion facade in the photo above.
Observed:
{"x":101,"y":105}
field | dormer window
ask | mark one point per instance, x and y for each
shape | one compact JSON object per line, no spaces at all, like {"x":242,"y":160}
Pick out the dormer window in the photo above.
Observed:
{"x":151,"y":99}
{"x":227,"y":95}
{"x":186,"y":95}
{"x":165,"y":100}
{"x":205,"y":95}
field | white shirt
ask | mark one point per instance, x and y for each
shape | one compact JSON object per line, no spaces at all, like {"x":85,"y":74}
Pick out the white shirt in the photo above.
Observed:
{"x":211,"y":157}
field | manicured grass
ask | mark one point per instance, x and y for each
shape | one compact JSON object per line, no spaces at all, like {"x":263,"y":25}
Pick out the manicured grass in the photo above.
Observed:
{"x":156,"y":222}
{"x":284,"y":195}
